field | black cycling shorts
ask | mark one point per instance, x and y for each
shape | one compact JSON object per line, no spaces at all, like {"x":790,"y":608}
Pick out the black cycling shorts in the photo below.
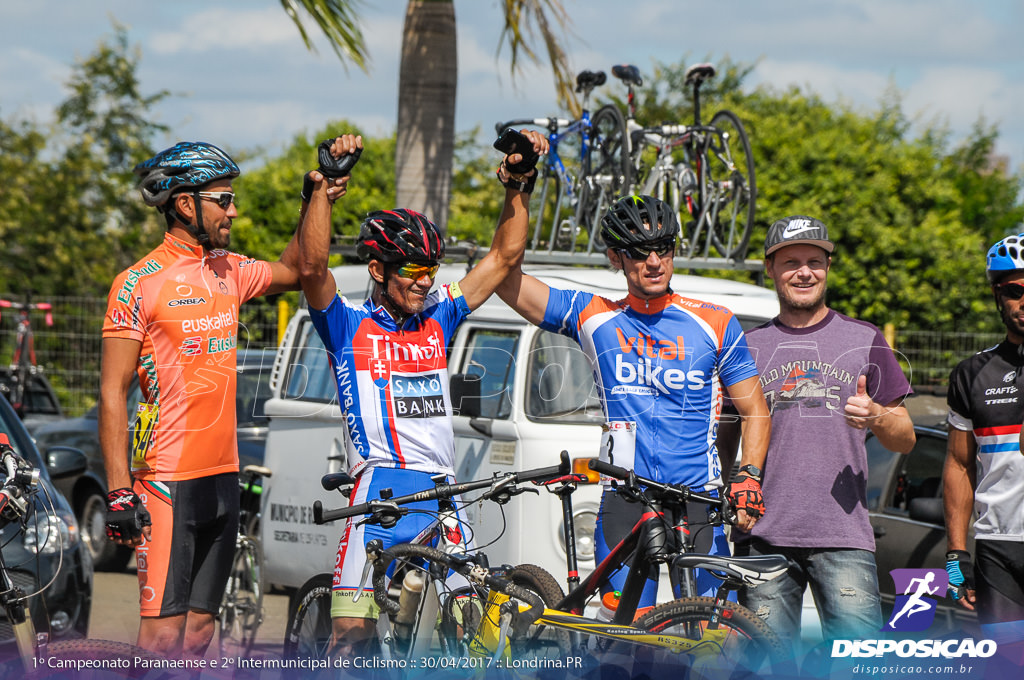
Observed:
{"x":999,"y":580}
{"x":186,"y":563}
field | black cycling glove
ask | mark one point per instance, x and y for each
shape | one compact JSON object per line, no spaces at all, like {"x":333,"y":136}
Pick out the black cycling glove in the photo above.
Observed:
{"x":126,"y":515}
{"x":331,"y":167}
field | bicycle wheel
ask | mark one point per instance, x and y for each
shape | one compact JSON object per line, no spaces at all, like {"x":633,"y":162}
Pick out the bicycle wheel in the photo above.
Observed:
{"x":122,"y":661}
{"x":539,"y":641}
{"x":309,"y":627}
{"x":743,"y":644}
{"x":241,"y":611}
{"x":608,"y":169}
{"x":733,"y":188}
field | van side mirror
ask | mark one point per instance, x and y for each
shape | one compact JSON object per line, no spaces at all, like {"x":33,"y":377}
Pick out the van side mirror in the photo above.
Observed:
{"x":927,"y":510}
{"x":465,"y":393}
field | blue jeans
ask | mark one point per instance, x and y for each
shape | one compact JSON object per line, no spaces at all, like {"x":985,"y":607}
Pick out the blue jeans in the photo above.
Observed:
{"x":844,"y":583}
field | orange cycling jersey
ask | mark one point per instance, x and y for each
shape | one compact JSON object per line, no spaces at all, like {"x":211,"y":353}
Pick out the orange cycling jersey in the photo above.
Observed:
{"x":181,"y":303}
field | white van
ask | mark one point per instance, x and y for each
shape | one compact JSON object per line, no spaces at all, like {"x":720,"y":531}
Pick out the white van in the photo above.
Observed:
{"x":538,"y":398}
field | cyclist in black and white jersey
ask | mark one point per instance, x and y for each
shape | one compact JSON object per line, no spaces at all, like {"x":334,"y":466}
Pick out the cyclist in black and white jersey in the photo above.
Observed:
{"x":984,"y":470}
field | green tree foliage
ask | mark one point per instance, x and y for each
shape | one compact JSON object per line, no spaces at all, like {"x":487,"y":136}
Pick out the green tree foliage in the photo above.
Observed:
{"x":69,"y":212}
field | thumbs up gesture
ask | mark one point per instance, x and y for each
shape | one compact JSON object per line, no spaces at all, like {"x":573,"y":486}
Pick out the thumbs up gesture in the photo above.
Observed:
{"x":860,"y":408}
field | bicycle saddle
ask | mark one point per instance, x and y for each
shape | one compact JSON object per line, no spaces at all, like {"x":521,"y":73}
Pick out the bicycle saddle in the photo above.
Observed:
{"x":698,"y":73}
{"x":588,"y":80}
{"x":333,"y":480}
{"x":628,"y":74}
{"x":752,"y":570}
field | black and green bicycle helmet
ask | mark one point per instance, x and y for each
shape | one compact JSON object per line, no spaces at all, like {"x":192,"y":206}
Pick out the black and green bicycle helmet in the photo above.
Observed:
{"x":639,"y":221}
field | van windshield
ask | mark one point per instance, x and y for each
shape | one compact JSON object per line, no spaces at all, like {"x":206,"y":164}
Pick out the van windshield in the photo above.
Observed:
{"x":560,"y":382}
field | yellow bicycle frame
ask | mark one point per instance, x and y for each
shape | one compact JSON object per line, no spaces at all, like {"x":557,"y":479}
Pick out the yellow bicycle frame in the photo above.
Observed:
{"x":490,"y":641}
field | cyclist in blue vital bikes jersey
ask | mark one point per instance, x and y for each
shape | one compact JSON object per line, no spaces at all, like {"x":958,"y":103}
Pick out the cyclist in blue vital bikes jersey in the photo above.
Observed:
{"x":660,"y":361}
{"x":388,"y":355}
{"x":984,"y":471}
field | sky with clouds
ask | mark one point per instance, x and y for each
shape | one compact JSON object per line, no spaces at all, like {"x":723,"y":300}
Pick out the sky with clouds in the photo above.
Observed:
{"x":242,"y":77}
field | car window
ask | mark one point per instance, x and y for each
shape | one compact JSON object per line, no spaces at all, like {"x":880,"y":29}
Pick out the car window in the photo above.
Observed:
{"x":491,"y":354}
{"x":561,"y":382}
{"x":920,"y":475}
{"x":310,"y":376}
{"x":250,"y":396}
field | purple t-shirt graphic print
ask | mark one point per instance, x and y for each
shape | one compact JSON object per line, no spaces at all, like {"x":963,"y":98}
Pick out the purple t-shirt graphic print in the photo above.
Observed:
{"x":815,"y":475}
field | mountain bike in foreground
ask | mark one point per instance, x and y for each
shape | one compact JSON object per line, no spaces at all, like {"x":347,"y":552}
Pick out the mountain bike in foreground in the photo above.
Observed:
{"x":399,"y":634}
{"x":39,"y":657}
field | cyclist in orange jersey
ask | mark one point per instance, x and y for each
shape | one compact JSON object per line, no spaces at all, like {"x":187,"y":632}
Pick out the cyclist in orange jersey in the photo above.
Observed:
{"x":172,"y":318}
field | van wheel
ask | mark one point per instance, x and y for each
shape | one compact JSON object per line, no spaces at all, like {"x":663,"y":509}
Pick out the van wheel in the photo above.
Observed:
{"x":92,"y":519}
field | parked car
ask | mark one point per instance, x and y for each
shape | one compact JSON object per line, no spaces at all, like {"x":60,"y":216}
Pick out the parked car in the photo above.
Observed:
{"x":905,"y":505}
{"x":39,"y":403}
{"x":47,"y":558}
{"x":87,"y":491}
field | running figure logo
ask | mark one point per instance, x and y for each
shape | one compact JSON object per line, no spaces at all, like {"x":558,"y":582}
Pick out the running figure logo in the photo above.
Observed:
{"x":914,"y":610}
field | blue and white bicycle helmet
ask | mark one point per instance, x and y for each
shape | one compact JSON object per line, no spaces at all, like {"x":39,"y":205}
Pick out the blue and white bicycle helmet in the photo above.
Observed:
{"x":1004,"y":257}
{"x":186,"y":165}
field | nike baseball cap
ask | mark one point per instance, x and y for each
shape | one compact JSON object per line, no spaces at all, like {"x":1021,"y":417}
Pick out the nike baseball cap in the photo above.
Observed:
{"x":797,"y":229}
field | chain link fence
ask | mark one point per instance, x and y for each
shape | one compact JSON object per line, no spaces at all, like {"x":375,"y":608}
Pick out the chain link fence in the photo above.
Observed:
{"x":927,"y":357}
{"x":68,"y":351}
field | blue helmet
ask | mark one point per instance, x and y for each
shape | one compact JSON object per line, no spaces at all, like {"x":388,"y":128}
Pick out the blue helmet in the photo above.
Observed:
{"x":1004,"y":257}
{"x":186,"y":165}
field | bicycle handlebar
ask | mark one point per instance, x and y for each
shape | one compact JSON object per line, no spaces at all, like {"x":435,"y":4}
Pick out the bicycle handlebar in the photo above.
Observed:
{"x":676,"y":492}
{"x":21,"y":480}
{"x":552,"y":123}
{"x":497,"y":483}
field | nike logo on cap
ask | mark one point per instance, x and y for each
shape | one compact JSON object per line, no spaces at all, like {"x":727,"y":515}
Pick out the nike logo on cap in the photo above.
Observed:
{"x":797,"y":227}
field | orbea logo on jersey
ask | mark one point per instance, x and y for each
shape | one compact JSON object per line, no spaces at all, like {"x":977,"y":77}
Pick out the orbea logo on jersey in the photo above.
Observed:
{"x":914,"y":610}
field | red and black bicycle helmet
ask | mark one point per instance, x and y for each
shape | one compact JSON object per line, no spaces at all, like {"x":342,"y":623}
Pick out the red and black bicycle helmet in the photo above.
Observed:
{"x":639,"y":221}
{"x":399,"y":235}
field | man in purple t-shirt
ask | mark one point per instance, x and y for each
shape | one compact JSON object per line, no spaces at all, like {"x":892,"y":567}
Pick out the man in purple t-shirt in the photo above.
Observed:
{"x":828,"y":379}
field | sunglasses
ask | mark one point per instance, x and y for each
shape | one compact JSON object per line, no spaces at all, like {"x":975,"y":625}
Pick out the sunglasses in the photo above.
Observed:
{"x":644,"y":252}
{"x":413,"y":271}
{"x":223,"y":198}
{"x":1011,"y":291}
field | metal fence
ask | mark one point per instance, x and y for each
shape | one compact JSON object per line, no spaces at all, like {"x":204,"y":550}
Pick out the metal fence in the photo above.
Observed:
{"x":928,"y":357}
{"x":69,"y":350}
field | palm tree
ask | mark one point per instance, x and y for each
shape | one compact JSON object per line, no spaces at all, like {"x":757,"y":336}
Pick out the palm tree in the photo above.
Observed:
{"x":428,"y":75}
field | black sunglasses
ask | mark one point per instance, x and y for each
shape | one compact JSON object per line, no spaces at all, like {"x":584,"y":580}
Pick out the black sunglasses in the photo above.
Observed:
{"x":644,"y":252}
{"x":1011,"y":291}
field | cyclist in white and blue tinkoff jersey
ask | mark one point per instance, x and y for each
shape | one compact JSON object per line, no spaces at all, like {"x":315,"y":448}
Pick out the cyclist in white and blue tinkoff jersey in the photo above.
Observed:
{"x":388,"y":356}
{"x":661,"y":362}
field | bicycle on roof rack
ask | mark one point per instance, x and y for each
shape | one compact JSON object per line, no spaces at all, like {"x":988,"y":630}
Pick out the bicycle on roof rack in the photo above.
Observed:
{"x":586,"y":168}
{"x":705,"y":171}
